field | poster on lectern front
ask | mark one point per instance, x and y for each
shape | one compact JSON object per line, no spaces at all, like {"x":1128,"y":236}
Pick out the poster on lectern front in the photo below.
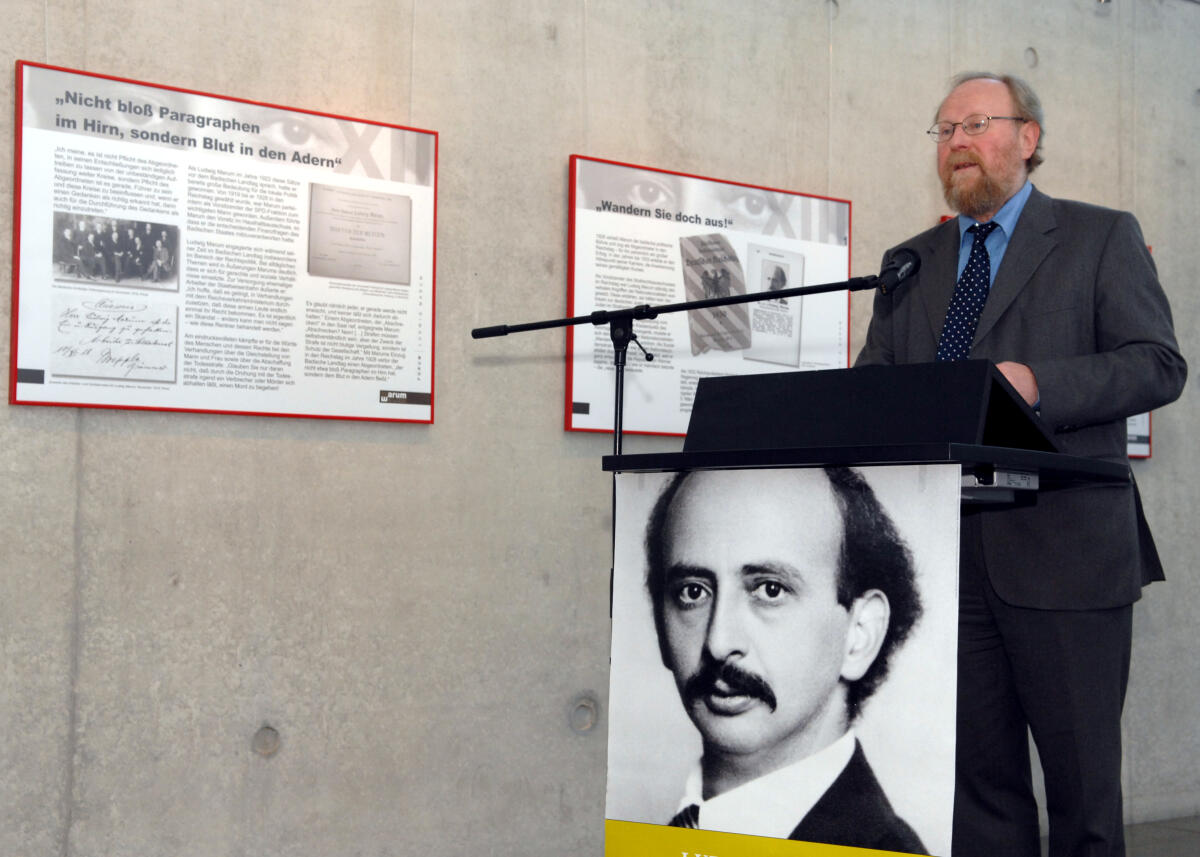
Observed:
{"x":783,"y":662}
{"x":192,"y":252}
{"x":640,"y":235}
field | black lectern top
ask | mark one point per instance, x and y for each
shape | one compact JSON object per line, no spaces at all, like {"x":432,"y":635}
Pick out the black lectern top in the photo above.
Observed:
{"x":962,"y":412}
{"x":967,"y":402}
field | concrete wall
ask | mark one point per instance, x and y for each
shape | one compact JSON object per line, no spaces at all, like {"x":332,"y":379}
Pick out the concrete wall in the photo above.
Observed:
{"x":419,"y":611}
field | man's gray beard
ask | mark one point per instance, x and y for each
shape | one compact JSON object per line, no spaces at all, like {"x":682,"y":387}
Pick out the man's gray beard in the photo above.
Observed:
{"x":985,"y":197}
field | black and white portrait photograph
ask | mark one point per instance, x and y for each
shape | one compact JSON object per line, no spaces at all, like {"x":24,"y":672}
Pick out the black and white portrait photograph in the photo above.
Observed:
{"x":783,"y":654}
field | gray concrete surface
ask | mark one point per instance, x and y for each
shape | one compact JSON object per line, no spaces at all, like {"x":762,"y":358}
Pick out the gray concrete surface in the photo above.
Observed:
{"x":1172,"y":837}
{"x":417,"y":610}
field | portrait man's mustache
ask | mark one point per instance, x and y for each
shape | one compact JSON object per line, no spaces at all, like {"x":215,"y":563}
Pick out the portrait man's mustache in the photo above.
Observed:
{"x":727,"y":679}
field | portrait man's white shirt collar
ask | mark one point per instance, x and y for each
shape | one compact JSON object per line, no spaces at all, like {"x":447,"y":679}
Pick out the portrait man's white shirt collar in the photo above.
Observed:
{"x":775,"y":803}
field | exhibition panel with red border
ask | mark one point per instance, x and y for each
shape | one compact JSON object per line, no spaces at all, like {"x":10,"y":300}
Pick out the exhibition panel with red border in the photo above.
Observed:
{"x":180,"y":251}
{"x":640,"y":235}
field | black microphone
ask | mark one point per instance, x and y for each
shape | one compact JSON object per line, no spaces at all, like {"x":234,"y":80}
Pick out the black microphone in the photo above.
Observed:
{"x":904,"y":263}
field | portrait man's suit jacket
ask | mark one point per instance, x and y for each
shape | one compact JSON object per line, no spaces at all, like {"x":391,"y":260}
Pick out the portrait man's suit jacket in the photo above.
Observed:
{"x":1076,"y":298}
{"x":855,"y":812}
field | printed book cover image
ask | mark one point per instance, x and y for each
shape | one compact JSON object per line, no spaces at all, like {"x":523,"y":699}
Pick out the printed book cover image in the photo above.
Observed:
{"x":711,"y":269}
{"x":775,"y":324}
{"x":360,"y":235}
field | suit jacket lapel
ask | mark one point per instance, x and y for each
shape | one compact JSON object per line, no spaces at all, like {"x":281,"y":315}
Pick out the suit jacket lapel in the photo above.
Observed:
{"x":854,"y":811}
{"x":1030,"y":243}
{"x":939,"y":272}
{"x":850,"y":796}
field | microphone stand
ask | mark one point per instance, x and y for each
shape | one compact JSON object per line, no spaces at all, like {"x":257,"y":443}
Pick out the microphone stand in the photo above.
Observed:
{"x":620,"y":325}
{"x":620,"y":331}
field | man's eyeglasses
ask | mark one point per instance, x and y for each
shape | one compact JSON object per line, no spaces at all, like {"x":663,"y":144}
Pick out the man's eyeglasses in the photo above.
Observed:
{"x":977,"y":123}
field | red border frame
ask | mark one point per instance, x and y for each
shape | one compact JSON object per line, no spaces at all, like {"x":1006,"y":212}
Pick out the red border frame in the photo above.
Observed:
{"x":572,"y":182}
{"x":16,"y":254}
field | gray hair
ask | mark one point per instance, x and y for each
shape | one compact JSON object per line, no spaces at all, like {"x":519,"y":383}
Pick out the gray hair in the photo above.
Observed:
{"x":1025,"y":101}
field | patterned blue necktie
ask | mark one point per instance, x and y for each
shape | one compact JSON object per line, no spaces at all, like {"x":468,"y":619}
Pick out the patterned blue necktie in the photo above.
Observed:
{"x":970,"y":294}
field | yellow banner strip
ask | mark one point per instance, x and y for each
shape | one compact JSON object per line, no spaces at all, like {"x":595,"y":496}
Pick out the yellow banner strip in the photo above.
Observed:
{"x":631,"y":839}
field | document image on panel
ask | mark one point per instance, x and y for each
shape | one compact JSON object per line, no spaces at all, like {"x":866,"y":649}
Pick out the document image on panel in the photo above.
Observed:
{"x":359,"y":235}
{"x":711,"y":270}
{"x":775,"y":324}
{"x":118,"y":337}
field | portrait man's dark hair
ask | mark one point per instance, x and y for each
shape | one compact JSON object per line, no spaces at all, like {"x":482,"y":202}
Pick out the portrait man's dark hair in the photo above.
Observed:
{"x":873,"y":556}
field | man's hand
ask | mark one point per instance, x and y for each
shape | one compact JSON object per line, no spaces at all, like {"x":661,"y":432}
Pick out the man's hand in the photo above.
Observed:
{"x":1021,"y":377}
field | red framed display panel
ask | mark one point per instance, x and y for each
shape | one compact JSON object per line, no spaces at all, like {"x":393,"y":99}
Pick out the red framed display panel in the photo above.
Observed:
{"x":181,"y":251}
{"x":643,"y":235}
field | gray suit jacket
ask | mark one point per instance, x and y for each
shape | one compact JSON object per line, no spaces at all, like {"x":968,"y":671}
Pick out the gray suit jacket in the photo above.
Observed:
{"x":1076,"y":298}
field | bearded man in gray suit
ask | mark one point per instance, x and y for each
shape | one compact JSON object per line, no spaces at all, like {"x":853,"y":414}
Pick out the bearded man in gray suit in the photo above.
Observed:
{"x":1064,"y":297}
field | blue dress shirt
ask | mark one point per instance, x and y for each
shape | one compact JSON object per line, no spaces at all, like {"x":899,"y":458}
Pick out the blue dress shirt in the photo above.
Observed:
{"x":996,"y":243}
